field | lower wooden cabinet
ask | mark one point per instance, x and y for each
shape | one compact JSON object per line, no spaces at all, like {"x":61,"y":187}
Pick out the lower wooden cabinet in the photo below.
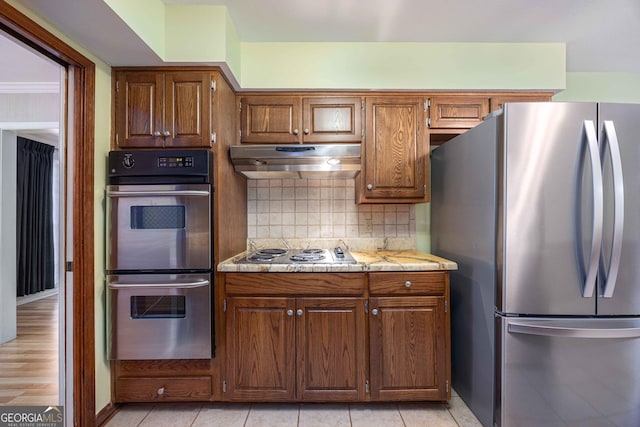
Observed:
{"x":331,"y":349}
{"x":392,"y":346}
{"x":286,"y":349}
{"x":408,"y":348}
{"x":260,"y":349}
{"x":162,"y":380}
{"x":163,"y":389}
{"x":409,"y":330}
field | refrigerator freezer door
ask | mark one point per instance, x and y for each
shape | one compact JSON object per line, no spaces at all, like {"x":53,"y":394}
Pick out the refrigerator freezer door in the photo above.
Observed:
{"x":549,"y":188}
{"x":568,"y":372}
{"x":623,"y":121}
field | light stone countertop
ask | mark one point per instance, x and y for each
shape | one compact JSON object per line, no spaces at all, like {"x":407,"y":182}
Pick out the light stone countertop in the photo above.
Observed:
{"x":367,"y":260}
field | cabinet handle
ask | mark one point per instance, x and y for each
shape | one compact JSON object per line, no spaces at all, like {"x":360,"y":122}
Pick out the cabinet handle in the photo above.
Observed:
{"x":407,"y":284}
{"x":299,"y":312}
{"x":369,"y":186}
{"x":289,"y":312}
{"x":374,"y":311}
{"x":166,"y":133}
{"x":306,"y":131}
{"x":157,"y":133}
{"x":160,"y":391}
{"x":295,"y":131}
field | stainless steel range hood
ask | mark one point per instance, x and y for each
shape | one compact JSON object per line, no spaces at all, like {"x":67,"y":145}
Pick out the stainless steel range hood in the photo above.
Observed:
{"x":264,"y":161}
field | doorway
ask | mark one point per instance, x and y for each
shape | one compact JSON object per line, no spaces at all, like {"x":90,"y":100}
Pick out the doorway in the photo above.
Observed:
{"x":79,"y":315}
{"x":32,"y":324}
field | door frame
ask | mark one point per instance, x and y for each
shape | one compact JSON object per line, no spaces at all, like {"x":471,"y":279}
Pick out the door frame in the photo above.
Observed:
{"x":29,"y":32}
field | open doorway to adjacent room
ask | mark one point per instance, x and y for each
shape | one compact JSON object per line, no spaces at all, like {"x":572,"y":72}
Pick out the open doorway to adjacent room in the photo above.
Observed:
{"x":32,"y":226}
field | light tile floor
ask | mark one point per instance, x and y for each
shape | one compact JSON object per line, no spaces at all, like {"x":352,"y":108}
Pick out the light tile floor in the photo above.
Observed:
{"x":452,"y":414}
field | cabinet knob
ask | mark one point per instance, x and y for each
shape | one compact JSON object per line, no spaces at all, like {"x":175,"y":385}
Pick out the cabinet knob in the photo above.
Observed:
{"x":295,"y":131}
{"x":407,"y":284}
{"x":369,"y":186}
{"x":306,"y":131}
{"x":374,"y":311}
{"x":157,"y":133}
{"x":299,"y":312}
{"x":166,"y":133}
{"x":160,"y":391}
{"x":289,"y":312}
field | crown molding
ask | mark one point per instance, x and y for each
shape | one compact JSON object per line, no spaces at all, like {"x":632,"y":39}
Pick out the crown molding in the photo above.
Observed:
{"x":29,"y":87}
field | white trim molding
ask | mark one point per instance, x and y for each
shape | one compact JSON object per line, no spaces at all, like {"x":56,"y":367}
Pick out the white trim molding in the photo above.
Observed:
{"x":29,"y":87}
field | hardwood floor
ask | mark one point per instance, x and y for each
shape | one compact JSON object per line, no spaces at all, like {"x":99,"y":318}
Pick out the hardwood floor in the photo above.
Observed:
{"x":29,"y":364}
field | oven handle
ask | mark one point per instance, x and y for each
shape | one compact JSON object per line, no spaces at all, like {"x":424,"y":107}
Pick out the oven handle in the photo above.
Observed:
{"x":157,"y":193}
{"x":188,"y":285}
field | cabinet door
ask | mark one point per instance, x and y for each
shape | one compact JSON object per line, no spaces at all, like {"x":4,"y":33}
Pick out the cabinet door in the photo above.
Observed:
{"x":395,"y":151}
{"x":139,"y":109}
{"x":270,"y":119}
{"x":409,"y":349}
{"x":332,"y":119}
{"x":187,"y":109}
{"x":458,"y":112}
{"x":331,"y":349}
{"x":260,"y":349}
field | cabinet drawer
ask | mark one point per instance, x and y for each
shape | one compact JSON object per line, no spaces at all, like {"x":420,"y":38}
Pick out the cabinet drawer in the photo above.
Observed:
{"x":462,"y":112}
{"x":145,"y":389}
{"x":403,"y":283}
{"x":294,"y":283}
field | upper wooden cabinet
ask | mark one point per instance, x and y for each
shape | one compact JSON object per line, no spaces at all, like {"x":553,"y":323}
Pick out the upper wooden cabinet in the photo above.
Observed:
{"x":163,"y":109}
{"x":332,"y":119}
{"x":446,"y":112}
{"x":395,"y":164}
{"x":297,"y":120}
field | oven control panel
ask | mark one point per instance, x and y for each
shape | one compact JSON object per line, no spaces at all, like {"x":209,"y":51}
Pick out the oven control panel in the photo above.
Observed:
{"x":160,"y":166}
{"x":175,"y":162}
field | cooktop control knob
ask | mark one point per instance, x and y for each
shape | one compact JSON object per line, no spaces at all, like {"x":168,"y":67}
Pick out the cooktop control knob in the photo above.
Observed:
{"x":339,"y":253}
{"x":127,"y":161}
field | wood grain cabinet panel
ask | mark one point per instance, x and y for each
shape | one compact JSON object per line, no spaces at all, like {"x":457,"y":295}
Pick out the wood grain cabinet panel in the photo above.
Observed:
{"x":395,"y":152}
{"x":163,"y":389}
{"x":458,"y":112}
{"x":332,"y":119}
{"x":270,"y":119}
{"x":139,"y":109}
{"x":260,"y":350}
{"x":408,"y":350}
{"x":293,"y":347}
{"x":163,"y":109}
{"x":331,"y":349}
{"x":418,"y":283}
{"x":277,"y":119}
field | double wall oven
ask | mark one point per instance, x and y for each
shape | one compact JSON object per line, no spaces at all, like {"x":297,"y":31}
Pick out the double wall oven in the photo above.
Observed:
{"x":159,"y":254}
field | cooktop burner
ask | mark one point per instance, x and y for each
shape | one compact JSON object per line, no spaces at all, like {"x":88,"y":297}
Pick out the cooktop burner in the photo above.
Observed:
{"x":299,"y":256}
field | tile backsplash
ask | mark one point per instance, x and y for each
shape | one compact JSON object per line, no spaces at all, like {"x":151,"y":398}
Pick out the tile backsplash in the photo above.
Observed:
{"x":320,"y":208}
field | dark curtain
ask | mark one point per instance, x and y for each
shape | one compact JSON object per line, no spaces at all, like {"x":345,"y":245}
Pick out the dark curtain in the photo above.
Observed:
{"x":35,"y":254}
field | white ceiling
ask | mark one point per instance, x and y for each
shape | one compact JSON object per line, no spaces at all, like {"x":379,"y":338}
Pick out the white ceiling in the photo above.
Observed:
{"x":600,"y":35}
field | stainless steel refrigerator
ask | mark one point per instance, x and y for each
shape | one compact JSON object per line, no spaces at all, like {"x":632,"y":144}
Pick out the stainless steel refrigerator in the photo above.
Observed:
{"x":540,"y":207}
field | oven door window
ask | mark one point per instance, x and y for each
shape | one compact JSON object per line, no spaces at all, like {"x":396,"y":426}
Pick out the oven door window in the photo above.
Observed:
{"x":157,"y":217}
{"x":158,"y":307}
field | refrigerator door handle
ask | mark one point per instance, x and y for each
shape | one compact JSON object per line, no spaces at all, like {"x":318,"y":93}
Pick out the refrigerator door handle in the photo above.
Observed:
{"x":559,"y":331}
{"x":618,"y":209}
{"x":598,"y":209}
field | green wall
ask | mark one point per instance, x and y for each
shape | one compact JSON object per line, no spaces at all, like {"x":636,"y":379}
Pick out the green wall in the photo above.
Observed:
{"x":410,"y":66}
{"x":601,"y":87}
